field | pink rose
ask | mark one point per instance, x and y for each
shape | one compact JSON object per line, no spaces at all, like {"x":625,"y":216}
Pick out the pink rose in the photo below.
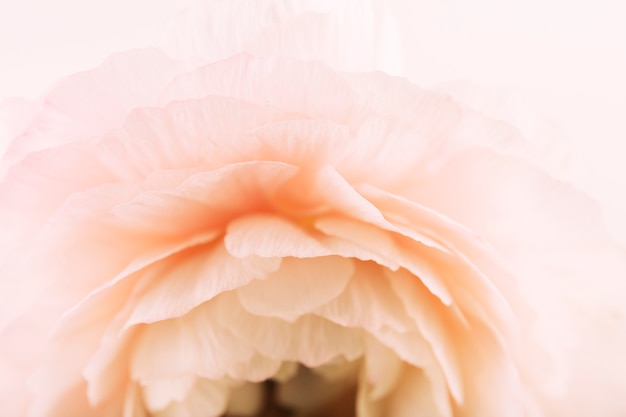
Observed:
{"x":238,"y":233}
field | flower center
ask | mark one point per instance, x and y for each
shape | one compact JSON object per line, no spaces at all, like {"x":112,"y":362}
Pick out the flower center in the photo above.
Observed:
{"x":308,"y":394}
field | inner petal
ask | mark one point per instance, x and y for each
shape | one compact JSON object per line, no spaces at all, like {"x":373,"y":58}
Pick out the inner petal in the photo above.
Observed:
{"x":298,"y":287}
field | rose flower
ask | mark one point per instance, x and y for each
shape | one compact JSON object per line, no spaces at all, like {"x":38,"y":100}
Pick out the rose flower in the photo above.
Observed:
{"x":259,"y":235}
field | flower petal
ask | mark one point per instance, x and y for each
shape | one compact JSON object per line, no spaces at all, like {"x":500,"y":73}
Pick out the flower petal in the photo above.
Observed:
{"x":310,"y":340}
{"x":298,"y":287}
{"x":367,"y":302}
{"x":350,"y":35}
{"x":205,"y":399}
{"x":314,"y":89}
{"x":112,"y":88}
{"x":192,"y":277}
{"x":270,"y":236}
{"x":193,"y":344}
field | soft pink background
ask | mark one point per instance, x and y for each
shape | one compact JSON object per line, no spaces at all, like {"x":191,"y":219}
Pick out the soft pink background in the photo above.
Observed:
{"x":568,"y":59}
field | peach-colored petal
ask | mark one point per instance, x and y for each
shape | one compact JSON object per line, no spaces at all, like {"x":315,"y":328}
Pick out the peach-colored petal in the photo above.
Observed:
{"x":382,"y":367}
{"x":367,"y":302}
{"x":105,"y":297}
{"x":485,"y":365}
{"x":469,"y":251}
{"x":413,"y":396}
{"x":433,"y":327}
{"x":190,"y":278}
{"x":270,"y":236}
{"x":310,"y":340}
{"x":178,"y":346}
{"x":401,"y":255}
{"x":159,"y":393}
{"x":133,"y":402}
{"x":107,"y":369}
{"x":204,"y":399}
{"x":299,"y":286}
{"x":208,"y":199}
{"x":324,"y":142}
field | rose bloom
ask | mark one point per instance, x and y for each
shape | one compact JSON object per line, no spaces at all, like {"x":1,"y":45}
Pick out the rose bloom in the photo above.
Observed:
{"x":251,"y":234}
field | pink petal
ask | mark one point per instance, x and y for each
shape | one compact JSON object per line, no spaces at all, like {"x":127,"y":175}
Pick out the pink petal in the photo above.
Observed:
{"x":315,"y":90}
{"x":68,"y":113}
{"x":183,"y":134}
{"x":350,"y":35}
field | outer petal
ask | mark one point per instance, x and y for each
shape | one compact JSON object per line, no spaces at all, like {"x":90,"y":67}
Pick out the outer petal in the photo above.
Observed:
{"x":68,"y":114}
{"x":349,"y":35}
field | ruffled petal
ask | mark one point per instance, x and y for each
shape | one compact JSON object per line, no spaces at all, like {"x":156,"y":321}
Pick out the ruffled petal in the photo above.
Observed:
{"x":205,"y":399}
{"x":68,"y":113}
{"x":194,"y":344}
{"x":298,"y":287}
{"x":192,"y":277}
{"x":314,"y":89}
{"x":310,"y":340}
{"x":349,"y":35}
{"x":367,"y":302}
{"x":413,"y":396}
